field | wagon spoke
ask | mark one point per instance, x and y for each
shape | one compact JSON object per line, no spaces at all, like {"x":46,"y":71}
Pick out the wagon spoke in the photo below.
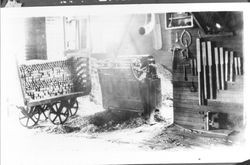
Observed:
{"x":65,"y":113}
{"x":27,"y":121}
{"x":60,"y":119}
{"x":28,"y":116}
{"x":73,"y":106}
{"x":60,"y":111}
{"x":44,"y":114}
{"x":23,"y":117}
{"x":32,"y":119}
{"x":54,"y":119}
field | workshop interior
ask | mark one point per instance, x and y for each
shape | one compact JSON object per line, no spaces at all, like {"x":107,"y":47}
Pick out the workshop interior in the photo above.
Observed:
{"x":119,"y":62}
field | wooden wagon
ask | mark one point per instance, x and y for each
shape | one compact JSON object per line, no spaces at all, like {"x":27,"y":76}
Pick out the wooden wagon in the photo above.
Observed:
{"x":50,"y":89}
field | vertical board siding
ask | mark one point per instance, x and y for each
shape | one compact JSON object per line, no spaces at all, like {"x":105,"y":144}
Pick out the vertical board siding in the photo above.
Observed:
{"x":187,"y":111}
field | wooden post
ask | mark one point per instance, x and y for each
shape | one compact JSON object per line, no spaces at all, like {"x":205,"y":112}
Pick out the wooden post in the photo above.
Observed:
{"x":231,"y":65}
{"x":217,"y":67}
{"x":204,"y":59}
{"x":209,"y":53}
{"x":226,"y":66}
{"x":198,"y":53}
{"x":222,"y":68}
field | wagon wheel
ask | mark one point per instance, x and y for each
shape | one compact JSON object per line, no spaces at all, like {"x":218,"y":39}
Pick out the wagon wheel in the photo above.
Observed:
{"x":44,"y":113}
{"x":29,"y":116}
{"x":59,"y":112}
{"x":138,"y":71}
{"x":73,"y":106}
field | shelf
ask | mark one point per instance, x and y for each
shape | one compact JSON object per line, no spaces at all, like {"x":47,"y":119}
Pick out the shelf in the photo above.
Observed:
{"x":179,"y":27}
{"x":226,"y":34}
{"x":179,"y":21}
{"x":175,"y":18}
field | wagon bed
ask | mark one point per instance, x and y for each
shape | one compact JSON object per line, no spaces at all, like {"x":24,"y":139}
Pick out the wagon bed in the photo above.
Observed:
{"x":50,"y":89}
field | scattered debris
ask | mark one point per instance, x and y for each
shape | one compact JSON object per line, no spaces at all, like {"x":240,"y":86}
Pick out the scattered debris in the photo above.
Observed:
{"x":100,"y":122}
{"x":126,"y":127}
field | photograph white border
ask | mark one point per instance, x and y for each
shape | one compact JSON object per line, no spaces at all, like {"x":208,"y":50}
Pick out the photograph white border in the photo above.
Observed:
{"x":217,"y":155}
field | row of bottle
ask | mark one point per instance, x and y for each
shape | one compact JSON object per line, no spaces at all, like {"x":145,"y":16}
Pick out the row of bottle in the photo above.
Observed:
{"x":27,"y":70}
{"x":48,"y":90}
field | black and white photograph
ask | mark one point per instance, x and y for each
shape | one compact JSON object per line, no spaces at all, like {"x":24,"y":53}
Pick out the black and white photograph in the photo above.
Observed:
{"x":35,"y":3}
{"x":124,"y":84}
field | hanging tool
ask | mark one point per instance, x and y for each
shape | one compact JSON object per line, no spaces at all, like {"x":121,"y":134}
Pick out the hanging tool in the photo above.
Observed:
{"x":186,"y":41}
{"x":236,"y":65}
{"x":185,"y":72}
{"x":239,"y":66}
{"x":209,"y":53}
{"x":193,"y":88}
{"x":185,"y":63}
{"x":217,"y":67}
{"x":204,"y":59}
{"x":198,"y":52}
{"x":192,"y":66}
{"x":231,"y":65}
{"x":226,"y":66}
{"x":222,"y":68}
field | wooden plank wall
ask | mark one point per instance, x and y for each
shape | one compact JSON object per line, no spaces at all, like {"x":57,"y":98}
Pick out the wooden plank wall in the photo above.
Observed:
{"x":187,"y":111}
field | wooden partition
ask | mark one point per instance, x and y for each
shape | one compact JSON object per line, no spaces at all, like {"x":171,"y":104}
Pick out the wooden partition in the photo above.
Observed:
{"x":212,"y":96}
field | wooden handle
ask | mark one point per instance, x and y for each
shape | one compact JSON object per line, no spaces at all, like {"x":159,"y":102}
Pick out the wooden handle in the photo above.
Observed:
{"x":216,"y":55}
{"x":236,"y":65}
{"x":226,"y":66}
{"x":217,"y":67}
{"x":222,"y":68}
{"x":231,"y":65}
{"x":204,"y":54}
{"x":198,"y":52}
{"x":198,"y":56}
{"x":204,"y":57}
{"x":226,"y":57}
{"x":209,"y":54}
{"x":239,"y":66}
